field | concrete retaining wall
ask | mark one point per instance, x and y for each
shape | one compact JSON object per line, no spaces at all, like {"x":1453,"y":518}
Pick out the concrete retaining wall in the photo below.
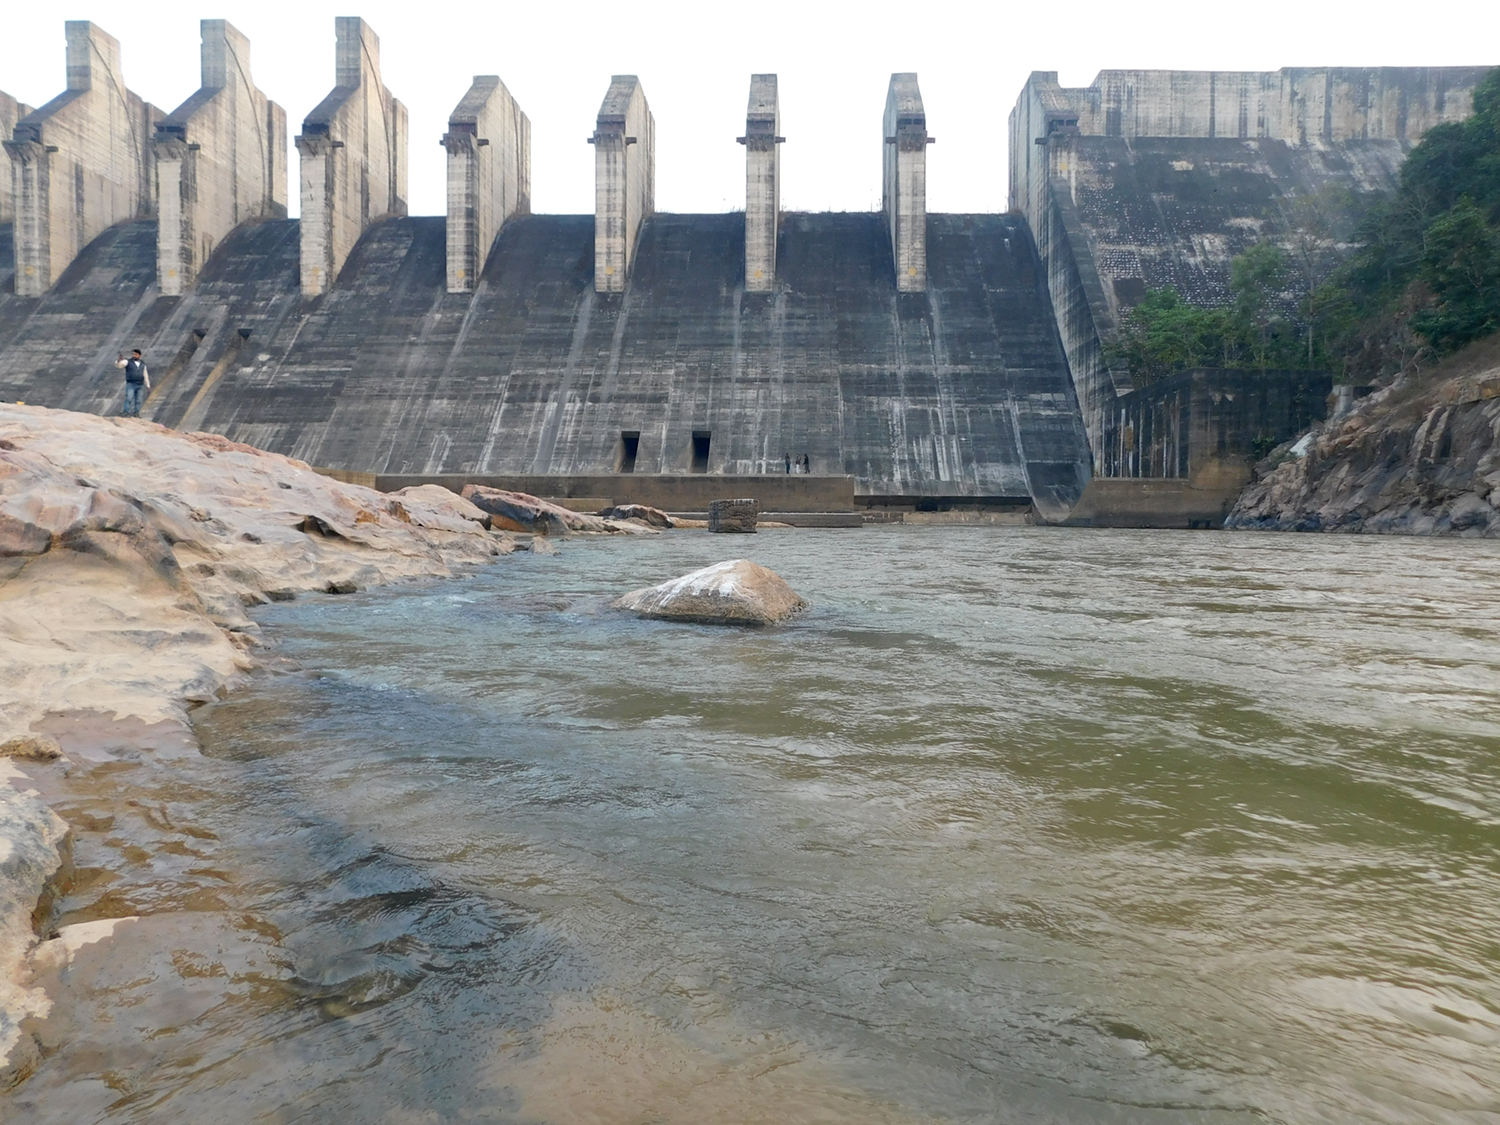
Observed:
{"x":81,"y":163}
{"x":220,"y":160}
{"x":904,"y":183}
{"x":353,"y":151}
{"x":489,"y":175}
{"x":624,"y":143}
{"x":671,"y":492}
{"x":1149,"y":179}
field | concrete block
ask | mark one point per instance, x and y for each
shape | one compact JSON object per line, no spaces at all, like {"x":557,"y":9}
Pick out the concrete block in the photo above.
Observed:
{"x":733,"y":516}
{"x":220,"y":161}
{"x":489,"y":175}
{"x":11,"y":111}
{"x":624,"y":143}
{"x":762,"y":183}
{"x":353,"y":155}
{"x":904,"y":191}
{"x":81,"y":163}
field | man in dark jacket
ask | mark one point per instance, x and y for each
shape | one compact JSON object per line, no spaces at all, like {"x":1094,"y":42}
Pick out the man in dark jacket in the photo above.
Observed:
{"x":137,"y":383}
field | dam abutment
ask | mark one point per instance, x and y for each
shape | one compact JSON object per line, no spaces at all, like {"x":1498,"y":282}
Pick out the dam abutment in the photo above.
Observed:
{"x":624,"y":143}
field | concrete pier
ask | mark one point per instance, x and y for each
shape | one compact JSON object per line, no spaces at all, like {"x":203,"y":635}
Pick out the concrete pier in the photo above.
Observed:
{"x":353,"y":155}
{"x":11,"y":111}
{"x":624,"y":143}
{"x":220,"y":161}
{"x":762,"y":182}
{"x":489,"y":175}
{"x":904,"y":194}
{"x":81,"y":163}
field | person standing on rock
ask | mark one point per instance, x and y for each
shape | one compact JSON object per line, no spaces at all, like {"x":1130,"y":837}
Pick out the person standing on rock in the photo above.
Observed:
{"x":137,"y":383}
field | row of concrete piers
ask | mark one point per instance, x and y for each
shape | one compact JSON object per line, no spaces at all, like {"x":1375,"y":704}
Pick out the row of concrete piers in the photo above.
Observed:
{"x":97,"y":155}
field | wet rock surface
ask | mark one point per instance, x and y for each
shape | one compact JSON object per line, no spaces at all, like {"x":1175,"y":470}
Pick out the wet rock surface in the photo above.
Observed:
{"x":1421,"y":457}
{"x":736,"y":592}
{"x":517,"y":511}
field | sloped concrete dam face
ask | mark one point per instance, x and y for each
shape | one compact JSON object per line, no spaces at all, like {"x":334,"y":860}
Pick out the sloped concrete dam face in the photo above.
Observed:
{"x":960,"y":391}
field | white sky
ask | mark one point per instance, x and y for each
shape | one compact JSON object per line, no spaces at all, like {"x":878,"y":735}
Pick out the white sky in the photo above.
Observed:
{"x":695,"y":59}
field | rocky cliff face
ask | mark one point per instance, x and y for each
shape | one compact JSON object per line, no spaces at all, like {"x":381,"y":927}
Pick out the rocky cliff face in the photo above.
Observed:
{"x":1421,"y":457}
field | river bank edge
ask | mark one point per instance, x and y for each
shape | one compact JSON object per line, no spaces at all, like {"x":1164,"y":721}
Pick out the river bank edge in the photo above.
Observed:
{"x":129,"y":556}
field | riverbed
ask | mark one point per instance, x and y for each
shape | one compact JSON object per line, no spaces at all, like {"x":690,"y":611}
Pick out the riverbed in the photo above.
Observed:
{"x":1016,"y":824}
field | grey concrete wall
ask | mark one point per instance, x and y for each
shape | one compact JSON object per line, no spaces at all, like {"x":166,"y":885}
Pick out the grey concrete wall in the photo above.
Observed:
{"x":762,"y":182}
{"x":11,"y":111}
{"x":904,"y":181}
{"x":624,"y":143}
{"x":1204,"y":426}
{"x":1154,"y":178}
{"x":81,"y":163}
{"x":959,"y":391}
{"x":353,"y":149}
{"x":672,"y":492}
{"x":220,"y":160}
{"x":489,"y":175}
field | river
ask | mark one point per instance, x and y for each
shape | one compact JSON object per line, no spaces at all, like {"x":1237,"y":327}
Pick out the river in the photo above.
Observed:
{"x":1019,"y":825}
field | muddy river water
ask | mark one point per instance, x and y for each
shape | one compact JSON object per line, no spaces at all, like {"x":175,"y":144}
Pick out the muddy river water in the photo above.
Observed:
{"x":1015,"y":825}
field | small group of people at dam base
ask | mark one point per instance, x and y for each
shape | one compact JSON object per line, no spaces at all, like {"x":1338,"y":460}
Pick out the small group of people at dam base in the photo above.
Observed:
{"x":138,"y":382}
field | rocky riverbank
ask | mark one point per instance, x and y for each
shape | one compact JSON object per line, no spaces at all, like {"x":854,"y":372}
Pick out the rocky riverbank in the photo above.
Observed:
{"x":1421,"y":457}
{"x":129,"y":555}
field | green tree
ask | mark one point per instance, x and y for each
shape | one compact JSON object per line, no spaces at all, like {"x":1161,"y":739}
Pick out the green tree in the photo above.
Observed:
{"x":1256,"y":280}
{"x":1461,"y":265}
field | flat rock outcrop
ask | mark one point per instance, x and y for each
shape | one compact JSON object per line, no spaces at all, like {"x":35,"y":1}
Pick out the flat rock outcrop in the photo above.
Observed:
{"x":1421,"y":457}
{"x":128,"y":556}
{"x":737,"y":592}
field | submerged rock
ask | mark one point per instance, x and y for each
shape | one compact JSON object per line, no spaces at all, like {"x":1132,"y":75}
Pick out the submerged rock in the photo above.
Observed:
{"x":737,"y":592}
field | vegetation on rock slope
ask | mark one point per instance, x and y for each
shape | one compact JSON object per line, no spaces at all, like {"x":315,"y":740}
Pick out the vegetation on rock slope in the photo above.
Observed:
{"x":1423,"y":281}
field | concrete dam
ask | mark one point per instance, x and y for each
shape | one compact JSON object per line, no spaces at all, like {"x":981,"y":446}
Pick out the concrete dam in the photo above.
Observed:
{"x":934,"y":358}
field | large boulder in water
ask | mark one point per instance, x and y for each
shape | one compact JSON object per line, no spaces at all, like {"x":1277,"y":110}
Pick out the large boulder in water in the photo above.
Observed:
{"x":737,"y":592}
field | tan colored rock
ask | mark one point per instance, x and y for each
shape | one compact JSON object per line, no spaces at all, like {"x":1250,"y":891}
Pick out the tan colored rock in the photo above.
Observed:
{"x":737,"y":592}
{"x":32,"y":748}
{"x":652,"y":517}
{"x":520,"y":511}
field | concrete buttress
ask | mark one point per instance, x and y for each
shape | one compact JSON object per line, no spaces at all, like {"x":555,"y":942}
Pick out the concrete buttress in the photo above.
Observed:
{"x":353,"y":156}
{"x":11,"y":111}
{"x":762,"y":182}
{"x":220,"y":161}
{"x":489,"y":175}
{"x":81,"y":163}
{"x":624,"y":143}
{"x":904,"y":183}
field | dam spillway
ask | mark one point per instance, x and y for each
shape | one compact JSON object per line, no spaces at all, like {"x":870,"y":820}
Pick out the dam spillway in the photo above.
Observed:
{"x":961,"y":390}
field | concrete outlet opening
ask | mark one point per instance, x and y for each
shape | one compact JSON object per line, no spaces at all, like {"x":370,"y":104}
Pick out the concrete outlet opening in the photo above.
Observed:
{"x":701,"y":439}
{"x":630,"y":444}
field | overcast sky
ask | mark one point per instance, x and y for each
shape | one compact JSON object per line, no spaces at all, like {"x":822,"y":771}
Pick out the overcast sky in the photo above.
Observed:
{"x":695,"y":59}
